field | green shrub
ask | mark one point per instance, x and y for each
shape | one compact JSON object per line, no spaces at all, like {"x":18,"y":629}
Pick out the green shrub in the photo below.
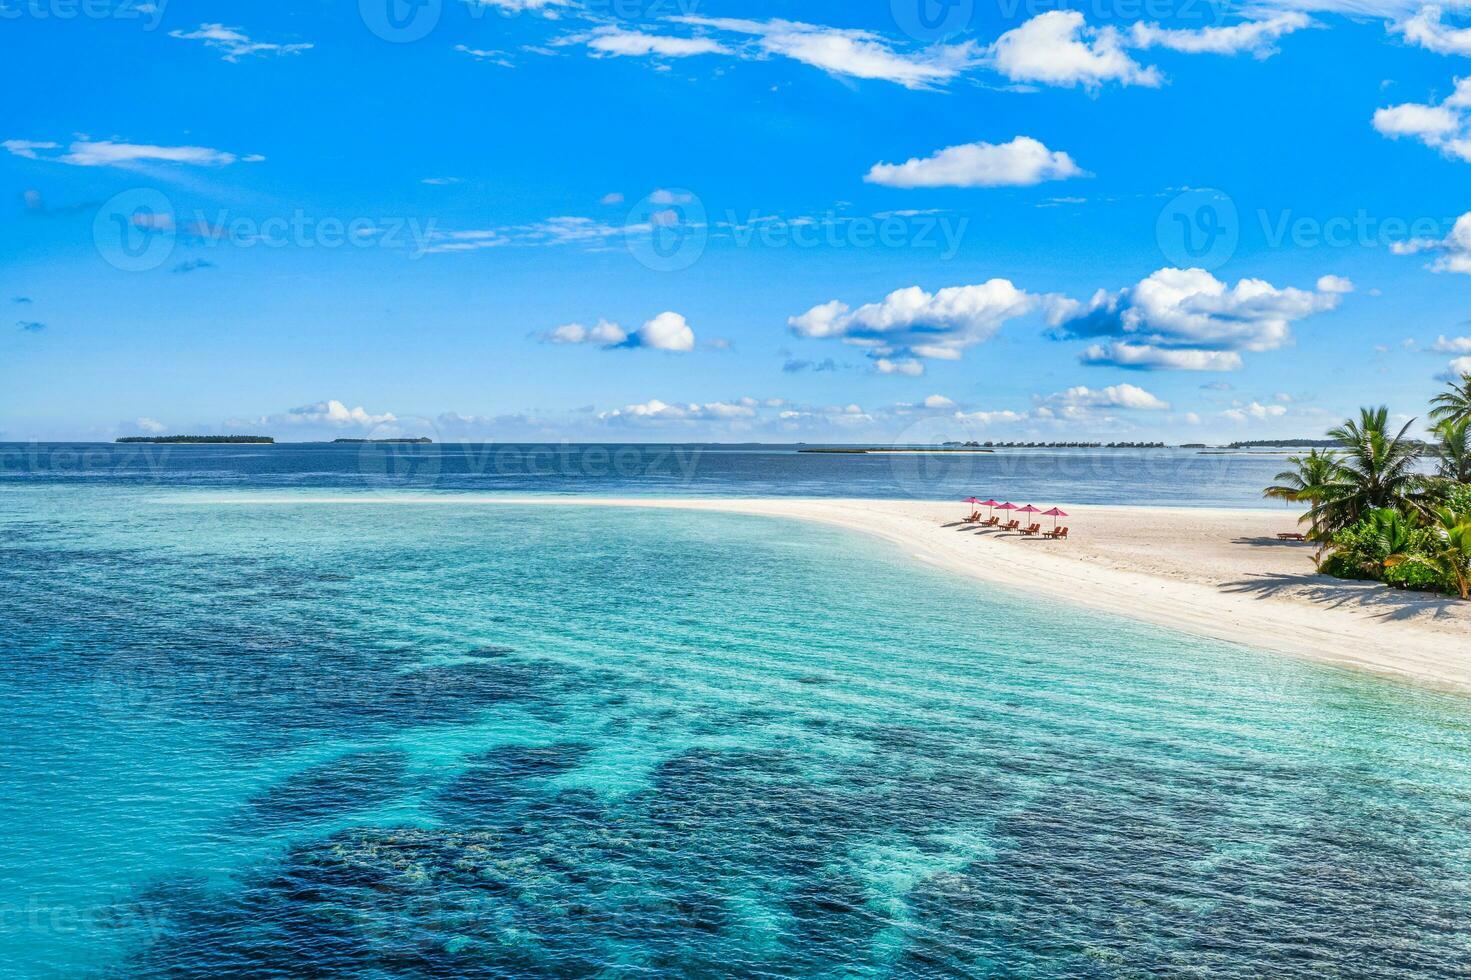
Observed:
{"x":1342,"y":565}
{"x":1418,"y":577}
{"x":1359,"y":551}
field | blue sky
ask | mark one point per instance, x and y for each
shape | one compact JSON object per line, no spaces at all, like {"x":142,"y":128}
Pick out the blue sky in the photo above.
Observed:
{"x":700,"y":219}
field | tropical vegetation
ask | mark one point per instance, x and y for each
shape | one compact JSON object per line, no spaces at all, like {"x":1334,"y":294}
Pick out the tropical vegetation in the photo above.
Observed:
{"x":1377,"y":507}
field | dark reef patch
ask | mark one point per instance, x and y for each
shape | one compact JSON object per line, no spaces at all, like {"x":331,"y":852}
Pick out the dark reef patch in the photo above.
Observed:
{"x":348,"y":784}
{"x":495,"y":780}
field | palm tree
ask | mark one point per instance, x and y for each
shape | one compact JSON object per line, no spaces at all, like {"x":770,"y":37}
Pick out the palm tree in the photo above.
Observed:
{"x":1374,"y":469}
{"x":1453,"y":404}
{"x":1455,"y":451}
{"x":1452,"y":555}
{"x":1306,"y":483}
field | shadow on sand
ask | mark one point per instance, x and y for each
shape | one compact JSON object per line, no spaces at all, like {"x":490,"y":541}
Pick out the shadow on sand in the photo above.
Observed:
{"x":1273,"y":542}
{"x":1334,"y":593}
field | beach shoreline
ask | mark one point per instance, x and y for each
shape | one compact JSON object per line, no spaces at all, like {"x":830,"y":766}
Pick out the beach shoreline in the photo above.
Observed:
{"x":1211,"y":572}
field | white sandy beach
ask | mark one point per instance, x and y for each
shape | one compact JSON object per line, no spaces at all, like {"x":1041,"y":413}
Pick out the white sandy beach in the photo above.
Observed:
{"x":1210,"y":572}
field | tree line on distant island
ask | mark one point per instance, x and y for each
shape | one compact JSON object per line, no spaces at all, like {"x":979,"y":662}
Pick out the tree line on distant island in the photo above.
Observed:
{"x":1372,"y":511}
{"x":1056,"y":445}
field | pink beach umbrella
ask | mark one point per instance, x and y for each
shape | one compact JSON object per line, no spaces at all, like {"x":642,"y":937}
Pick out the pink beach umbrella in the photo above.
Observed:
{"x":1054,"y":513}
{"x":1029,"y":509}
{"x":1006,"y":506}
{"x":988,"y":504}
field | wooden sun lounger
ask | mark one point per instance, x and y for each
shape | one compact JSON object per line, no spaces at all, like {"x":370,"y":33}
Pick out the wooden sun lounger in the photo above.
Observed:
{"x":1056,"y":535}
{"x":1011,"y":525}
{"x":1292,"y":536}
{"x":1031,"y":528}
{"x":993,"y":522}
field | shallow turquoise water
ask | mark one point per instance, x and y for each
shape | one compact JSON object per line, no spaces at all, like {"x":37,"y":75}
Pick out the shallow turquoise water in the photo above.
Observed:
{"x":459,"y":741}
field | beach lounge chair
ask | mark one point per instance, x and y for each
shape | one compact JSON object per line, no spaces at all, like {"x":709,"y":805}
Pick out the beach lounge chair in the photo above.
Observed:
{"x":1031,"y":528}
{"x":1291,"y":536}
{"x":1056,"y":535}
{"x":993,"y":522}
{"x":1011,"y":525}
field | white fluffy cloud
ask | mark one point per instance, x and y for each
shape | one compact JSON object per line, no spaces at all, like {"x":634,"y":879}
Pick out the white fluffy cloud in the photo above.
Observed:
{"x":668,"y":331}
{"x":234,"y":43}
{"x":655,"y":410}
{"x":615,"y":41}
{"x":335,"y":413}
{"x":1451,"y":345}
{"x":1083,"y":399}
{"x":1452,"y":253}
{"x":1147,"y":357}
{"x":1254,"y":411}
{"x":106,"y":153}
{"x":938,"y":401}
{"x":850,"y":53}
{"x":1076,"y":404}
{"x":1059,"y":48}
{"x":150,"y":425}
{"x":1445,"y":125}
{"x":905,"y":365}
{"x":1257,"y":37}
{"x":602,"y":332}
{"x":982,"y":419}
{"x":918,"y":323}
{"x":1019,"y":163}
{"x":1426,"y":29}
{"x":1457,"y":369}
{"x":1187,"y":319}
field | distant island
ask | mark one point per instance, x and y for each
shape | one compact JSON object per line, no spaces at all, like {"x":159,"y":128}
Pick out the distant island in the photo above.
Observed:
{"x":209,"y":440}
{"x":1283,"y":444}
{"x":421,"y":440}
{"x":1074,"y":445}
{"x":982,"y":447}
{"x":862,"y":450}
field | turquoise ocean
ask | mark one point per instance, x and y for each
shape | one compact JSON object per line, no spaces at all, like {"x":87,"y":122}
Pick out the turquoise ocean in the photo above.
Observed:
{"x":279,"y":738}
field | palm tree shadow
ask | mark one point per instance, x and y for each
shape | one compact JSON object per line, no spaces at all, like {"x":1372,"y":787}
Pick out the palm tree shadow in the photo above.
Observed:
{"x":1333,"y":593}
{"x":1272,"y":542}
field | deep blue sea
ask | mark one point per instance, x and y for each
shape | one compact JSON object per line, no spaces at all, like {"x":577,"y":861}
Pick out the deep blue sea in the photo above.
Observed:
{"x":1161,"y":476}
{"x":289,"y":740}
